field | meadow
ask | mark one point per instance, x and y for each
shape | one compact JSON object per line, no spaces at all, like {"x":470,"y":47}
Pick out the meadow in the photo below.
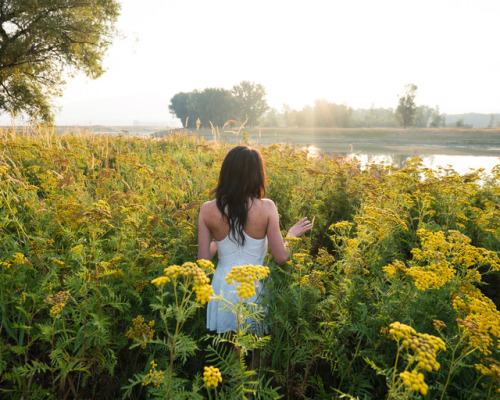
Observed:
{"x":394,"y":294}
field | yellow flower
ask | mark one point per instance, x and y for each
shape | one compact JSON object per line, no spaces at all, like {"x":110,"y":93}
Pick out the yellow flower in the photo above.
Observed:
{"x":141,"y":331}
{"x":313,"y":280}
{"x":246,"y":276}
{"x":58,"y":300}
{"x":482,"y":319}
{"x":415,"y":381}
{"x":203,"y":293}
{"x":153,"y":376}
{"x":401,"y":331}
{"x":208,"y":265}
{"x":191,"y":273}
{"x":212,"y":376}
{"x":19,"y":259}
{"x":162,"y":280}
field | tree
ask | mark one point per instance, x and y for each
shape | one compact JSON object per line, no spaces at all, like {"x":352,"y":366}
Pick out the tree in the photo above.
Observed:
{"x":423,"y":116}
{"x":41,"y":40}
{"x":213,"y":105}
{"x":251,"y":101}
{"x":405,"y":112}
{"x":180,"y":106}
{"x":437,"y":119}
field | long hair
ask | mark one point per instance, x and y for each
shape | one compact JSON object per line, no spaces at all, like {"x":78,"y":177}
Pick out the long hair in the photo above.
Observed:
{"x":241,"y":178}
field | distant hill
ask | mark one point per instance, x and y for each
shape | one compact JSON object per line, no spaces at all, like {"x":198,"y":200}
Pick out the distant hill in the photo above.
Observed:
{"x":473,"y":120}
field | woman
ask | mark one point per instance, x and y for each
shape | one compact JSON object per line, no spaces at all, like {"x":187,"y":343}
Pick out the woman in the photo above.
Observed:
{"x":242,"y":223}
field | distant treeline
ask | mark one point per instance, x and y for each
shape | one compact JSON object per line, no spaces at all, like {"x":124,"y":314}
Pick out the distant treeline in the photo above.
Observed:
{"x":325,"y":114}
{"x":246,"y":103}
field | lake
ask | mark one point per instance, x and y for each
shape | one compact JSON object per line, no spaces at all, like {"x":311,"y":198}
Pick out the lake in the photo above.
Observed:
{"x":462,"y":150}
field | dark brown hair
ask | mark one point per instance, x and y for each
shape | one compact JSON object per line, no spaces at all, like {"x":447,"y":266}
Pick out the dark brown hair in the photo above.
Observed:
{"x":241,"y":178}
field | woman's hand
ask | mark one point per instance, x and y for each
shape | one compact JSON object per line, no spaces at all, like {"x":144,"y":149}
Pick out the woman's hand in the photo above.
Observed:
{"x":302,"y":226}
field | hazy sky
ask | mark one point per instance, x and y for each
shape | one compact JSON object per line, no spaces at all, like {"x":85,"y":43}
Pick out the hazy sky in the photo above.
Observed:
{"x":357,"y":52}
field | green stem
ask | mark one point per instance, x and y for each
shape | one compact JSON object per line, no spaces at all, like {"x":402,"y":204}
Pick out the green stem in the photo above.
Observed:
{"x":395,"y":369}
{"x":474,"y":388}
{"x":454,"y":364}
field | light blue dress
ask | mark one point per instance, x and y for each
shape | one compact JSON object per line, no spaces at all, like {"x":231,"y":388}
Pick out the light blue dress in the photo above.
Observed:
{"x":232,"y":254}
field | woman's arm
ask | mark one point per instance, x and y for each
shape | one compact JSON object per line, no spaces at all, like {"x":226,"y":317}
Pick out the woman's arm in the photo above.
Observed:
{"x":278,"y":246}
{"x":206,"y":247}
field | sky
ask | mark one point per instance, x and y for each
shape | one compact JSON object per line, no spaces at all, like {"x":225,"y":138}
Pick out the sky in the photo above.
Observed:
{"x":355,"y":52}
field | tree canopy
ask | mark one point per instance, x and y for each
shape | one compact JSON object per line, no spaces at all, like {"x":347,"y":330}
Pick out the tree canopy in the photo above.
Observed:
{"x":41,"y":40}
{"x":217,"y":106}
{"x":251,"y":101}
{"x":407,"y":109}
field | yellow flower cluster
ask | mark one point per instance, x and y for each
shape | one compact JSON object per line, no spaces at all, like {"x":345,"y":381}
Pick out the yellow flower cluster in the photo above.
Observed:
{"x":153,"y":376}
{"x":446,"y":256}
{"x":6,"y":265}
{"x":324,"y":258}
{"x":482,"y":320}
{"x":491,"y":368}
{"x":434,"y":275}
{"x":203,"y":293}
{"x":208,"y":265}
{"x":438,"y":324}
{"x":425,"y":346}
{"x":19,"y":259}
{"x":189,"y":270}
{"x":300,"y":257}
{"x":212,"y":376}
{"x":314,"y":280}
{"x":401,"y":331}
{"x":415,"y":381}
{"x":394,"y":267}
{"x":58,"y":301}
{"x":343,"y":225}
{"x":246,"y":276}
{"x":162,"y":280}
{"x":141,"y":331}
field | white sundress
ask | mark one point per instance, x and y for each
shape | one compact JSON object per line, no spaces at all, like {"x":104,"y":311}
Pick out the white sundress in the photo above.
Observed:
{"x":232,"y":254}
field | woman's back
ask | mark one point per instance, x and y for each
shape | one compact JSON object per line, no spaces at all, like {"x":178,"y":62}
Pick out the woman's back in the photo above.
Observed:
{"x":232,"y":252}
{"x":257,"y":219}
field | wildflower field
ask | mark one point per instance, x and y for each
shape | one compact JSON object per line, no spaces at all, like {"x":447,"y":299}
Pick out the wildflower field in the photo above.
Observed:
{"x":394,"y":294}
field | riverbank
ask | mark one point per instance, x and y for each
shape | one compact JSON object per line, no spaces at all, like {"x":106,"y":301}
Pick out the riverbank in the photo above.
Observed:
{"x":425,"y":141}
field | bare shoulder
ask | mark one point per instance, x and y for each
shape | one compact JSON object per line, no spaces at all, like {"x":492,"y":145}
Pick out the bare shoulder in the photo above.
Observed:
{"x":208,"y":208}
{"x":269,"y":205}
{"x":264,"y":206}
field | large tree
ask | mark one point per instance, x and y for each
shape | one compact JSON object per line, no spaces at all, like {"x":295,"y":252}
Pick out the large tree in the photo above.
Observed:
{"x":251,"y":101}
{"x":180,"y":106}
{"x":211,"y":106}
{"x":42,"y":40}
{"x":406,"y":110}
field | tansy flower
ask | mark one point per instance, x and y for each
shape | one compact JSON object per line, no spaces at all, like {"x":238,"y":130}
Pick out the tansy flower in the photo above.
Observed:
{"x":58,"y":300}
{"x":246,"y":276}
{"x":208,"y":265}
{"x":162,"y":280}
{"x":191,"y":273}
{"x":415,"y":381}
{"x":141,"y":331}
{"x":212,"y":376}
{"x":153,"y":376}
